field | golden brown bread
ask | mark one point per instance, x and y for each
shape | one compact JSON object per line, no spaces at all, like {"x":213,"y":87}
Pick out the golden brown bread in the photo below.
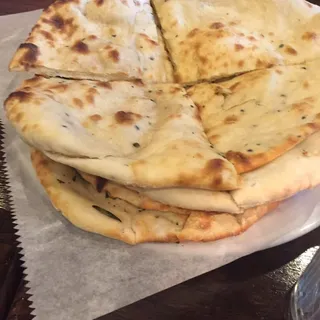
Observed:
{"x":90,"y":210}
{"x":100,"y":40}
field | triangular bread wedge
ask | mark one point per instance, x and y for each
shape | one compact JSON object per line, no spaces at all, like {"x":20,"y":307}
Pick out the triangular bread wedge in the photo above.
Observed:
{"x":142,"y":135}
{"x":210,"y":39}
{"x":296,"y":170}
{"x":256,"y":117}
{"x":178,"y":200}
{"x":96,"y":39}
{"x":89,"y":210}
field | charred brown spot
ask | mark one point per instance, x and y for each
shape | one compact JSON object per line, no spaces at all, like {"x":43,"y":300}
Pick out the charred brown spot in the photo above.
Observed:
{"x":80,"y":47}
{"x":65,"y":26}
{"x":123,"y":117}
{"x":313,"y":126}
{"x":301,"y":107}
{"x":263,"y":64}
{"x":138,"y":83}
{"x":56,"y":21}
{"x":197,"y":46}
{"x":92,"y":37}
{"x":33,"y":81}
{"x":99,"y":2}
{"x":35,"y":27}
{"x":238,"y":158}
{"x":271,"y":34}
{"x":215,"y":164}
{"x":231,"y":119}
{"x":252,"y":38}
{"x":214,"y":138}
{"x":114,"y":55}
{"x":292,"y":140}
{"x":192,"y":33}
{"x":47,"y":35}
{"x":177,"y":78}
{"x":147,"y":39}
{"x":306,"y":84}
{"x":100,"y":183}
{"x":238,"y":47}
{"x":95,"y":117}
{"x":260,"y":63}
{"x":305,"y":153}
{"x":90,"y":98}
{"x":217,"y":25}
{"x":30,"y":55}
{"x":21,"y":96}
{"x":225,"y":64}
{"x":291,"y":51}
{"x":240,"y":63}
{"x":309,"y":36}
{"x":77,"y":102}
{"x":61,"y":87}
{"x":92,"y":91}
{"x":203,"y":60}
{"x":308,"y":4}
{"x":279,"y":71}
{"x":19,"y":117}
{"x":220,"y":33}
{"x":106,"y":85}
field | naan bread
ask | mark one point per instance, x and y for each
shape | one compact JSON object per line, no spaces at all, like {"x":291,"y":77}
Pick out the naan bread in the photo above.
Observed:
{"x":254,"y":118}
{"x":294,"y":171}
{"x":96,"y":39}
{"x":142,"y":135}
{"x":178,"y":200}
{"x":89,"y":210}
{"x":211,"y":39}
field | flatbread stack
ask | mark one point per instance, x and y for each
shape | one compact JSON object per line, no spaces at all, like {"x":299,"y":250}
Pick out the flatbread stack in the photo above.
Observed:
{"x":171,"y":120}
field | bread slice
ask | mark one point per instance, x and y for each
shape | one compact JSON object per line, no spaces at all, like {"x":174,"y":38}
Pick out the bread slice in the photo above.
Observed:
{"x":135,"y":134}
{"x":210,"y":39}
{"x":96,"y":39}
{"x":89,"y":210}
{"x":255,"y":118}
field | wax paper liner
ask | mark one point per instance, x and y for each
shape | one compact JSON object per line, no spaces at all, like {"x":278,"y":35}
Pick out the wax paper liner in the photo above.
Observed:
{"x":7,"y":203}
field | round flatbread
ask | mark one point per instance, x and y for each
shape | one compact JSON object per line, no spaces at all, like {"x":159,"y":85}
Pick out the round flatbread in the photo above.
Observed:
{"x":90,"y":210}
{"x":178,"y":200}
{"x":96,"y":39}
{"x":210,"y":39}
{"x":143,"y":135}
{"x":256,"y":117}
{"x":294,"y":171}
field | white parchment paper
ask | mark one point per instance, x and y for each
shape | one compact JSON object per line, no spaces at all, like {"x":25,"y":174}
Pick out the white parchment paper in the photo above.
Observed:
{"x":77,"y":275}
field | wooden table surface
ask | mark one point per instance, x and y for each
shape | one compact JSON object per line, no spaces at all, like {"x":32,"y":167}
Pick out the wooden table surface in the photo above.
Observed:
{"x":254,"y":287}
